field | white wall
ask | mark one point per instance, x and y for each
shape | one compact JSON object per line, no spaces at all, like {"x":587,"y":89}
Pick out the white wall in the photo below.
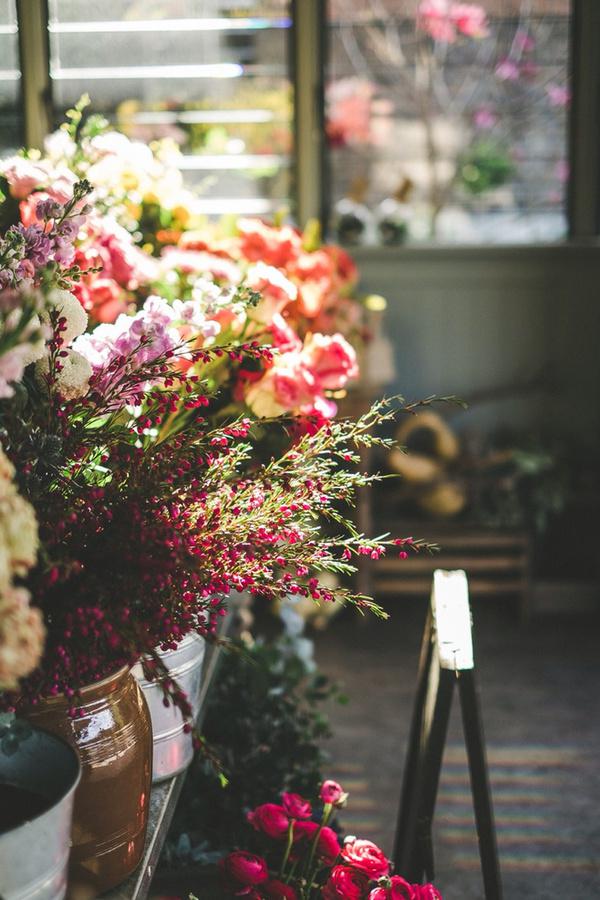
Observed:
{"x":471,"y":319}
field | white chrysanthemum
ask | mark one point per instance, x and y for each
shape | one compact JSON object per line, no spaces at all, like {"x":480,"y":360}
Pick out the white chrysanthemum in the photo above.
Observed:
{"x":18,"y":532}
{"x":68,"y":306}
{"x":73,"y":379}
{"x":32,"y":352}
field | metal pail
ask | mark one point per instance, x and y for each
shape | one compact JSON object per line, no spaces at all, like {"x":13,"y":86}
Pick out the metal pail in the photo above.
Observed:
{"x":172,"y":747}
{"x":35,"y":854}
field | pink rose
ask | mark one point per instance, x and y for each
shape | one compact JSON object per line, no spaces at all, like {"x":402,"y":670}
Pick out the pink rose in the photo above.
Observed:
{"x":470,"y":19}
{"x":245,"y":868}
{"x":23,"y":176}
{"x":328,"y":846}
{"x":394,"y":888}
{"x":284,"y":337}
{"x":296,"y":806}
{"x":332,"y":792}
{"x":366,"y":857}
{"x":277,"y":890}
{"x":331,"y":359}
{"x":345,"y":884}
{"x":271,"y":819}
{"x":433,"y":17}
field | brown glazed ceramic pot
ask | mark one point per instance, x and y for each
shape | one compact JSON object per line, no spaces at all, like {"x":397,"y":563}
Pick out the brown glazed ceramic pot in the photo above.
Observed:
{"x":113,"y":737}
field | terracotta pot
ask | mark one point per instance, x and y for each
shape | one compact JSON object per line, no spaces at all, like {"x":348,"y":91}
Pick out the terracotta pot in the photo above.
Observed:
{"x":113,"y":737}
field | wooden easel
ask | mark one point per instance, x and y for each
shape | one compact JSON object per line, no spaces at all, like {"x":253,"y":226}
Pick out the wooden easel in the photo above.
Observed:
{"x":446,"y":661}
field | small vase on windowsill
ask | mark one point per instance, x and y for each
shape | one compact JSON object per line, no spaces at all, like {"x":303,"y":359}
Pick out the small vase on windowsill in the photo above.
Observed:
{"x":108,"y":723}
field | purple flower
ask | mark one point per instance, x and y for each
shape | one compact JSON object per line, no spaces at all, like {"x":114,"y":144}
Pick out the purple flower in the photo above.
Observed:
{"x":48,"y":209}
{"x":38,"y":245}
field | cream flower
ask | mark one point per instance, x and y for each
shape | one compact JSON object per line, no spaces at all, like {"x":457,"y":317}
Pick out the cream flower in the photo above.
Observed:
{"x":68,"y":306}
{"x":21,"y":636}
{"x":73,"y":379}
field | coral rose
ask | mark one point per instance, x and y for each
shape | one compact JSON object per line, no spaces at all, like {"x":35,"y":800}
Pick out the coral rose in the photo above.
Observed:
{"x":273,"y":246}
{"x":332,"y":792}
{"x":366,"y":857}
{"x":296,"y":806}
{"x":345,"y":884}
{"x":245,"y":868}
{"x":271,"y":819}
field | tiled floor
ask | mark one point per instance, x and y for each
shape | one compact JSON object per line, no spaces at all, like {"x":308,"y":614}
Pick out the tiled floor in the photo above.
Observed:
{"x":541,"y":705}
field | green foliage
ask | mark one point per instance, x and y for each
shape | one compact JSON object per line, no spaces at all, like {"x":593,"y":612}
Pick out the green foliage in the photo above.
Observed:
{"x":265,"y":723}
{"x":485,"y":166}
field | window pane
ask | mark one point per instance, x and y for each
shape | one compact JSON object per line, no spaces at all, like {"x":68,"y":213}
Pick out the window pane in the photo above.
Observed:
{"x":447,"y":121}
{"x":211,"y":74}
{"x":10,"y":89}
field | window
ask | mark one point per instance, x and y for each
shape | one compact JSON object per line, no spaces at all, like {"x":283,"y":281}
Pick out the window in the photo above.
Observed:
{"x":212,"y":75}
{"x":10,"y":90}
{"x":447,"y":121}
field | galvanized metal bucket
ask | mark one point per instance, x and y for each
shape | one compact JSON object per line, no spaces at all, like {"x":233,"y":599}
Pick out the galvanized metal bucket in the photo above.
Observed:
{"x":35,"y":854}
{"x":172,"y":747}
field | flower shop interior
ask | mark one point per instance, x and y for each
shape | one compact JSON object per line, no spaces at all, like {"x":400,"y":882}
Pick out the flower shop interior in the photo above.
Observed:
{"x":299,"y":433}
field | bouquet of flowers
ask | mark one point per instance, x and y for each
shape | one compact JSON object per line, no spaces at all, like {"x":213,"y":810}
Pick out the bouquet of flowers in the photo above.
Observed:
{"x":300,"y":857}
{"x":303,"y":304}
{"x":122,"y":469}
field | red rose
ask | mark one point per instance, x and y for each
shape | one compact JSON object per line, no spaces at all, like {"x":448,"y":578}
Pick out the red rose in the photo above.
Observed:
{"x":332,"y":792}
{"x":394,"y":888}
{"x":245,"y":868}
{"x":345,"y":884}
{"x":296,"y":806}
{"x":271,"y":819}
{"x":328,"y":846}
{"x":366,"y":857}
{"x":277,"y":890}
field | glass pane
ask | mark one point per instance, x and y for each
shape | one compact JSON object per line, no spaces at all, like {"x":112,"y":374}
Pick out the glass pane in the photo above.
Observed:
{"x":11,"y":136}
{"x":210,"y":74}
{"x":447,"y":121}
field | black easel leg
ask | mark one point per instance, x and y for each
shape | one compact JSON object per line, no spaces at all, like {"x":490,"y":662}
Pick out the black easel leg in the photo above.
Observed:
{"x":480,"y":786}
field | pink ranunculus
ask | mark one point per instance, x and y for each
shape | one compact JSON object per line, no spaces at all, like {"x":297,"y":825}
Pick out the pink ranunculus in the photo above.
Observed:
{"x":332,"y":792}
{"x":245,"y":868}
{"x":129,"y":265}
{"x":470,"y":19}
{"x":284,"y":336}
{"x":433,"y":17}
{"x":296,"y":806}
{"x":271,"y":819}
{"x":345,"y":883}
{"x":277,"y":890}
{"x":331,"y":359}
{"x":394,"y":888}
{"x":366,"y":857}
{"x":268,"y":244}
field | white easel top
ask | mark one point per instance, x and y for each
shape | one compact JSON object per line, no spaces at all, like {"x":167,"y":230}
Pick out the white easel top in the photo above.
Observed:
{"x":452,"y":617}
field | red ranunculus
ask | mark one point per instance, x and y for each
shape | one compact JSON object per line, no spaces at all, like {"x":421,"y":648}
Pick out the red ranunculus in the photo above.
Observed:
{"x":394,"y":888}
{"x":366,"y":857}
{"x":277,"y":890}
{"x":425,"y":892}
{"x":328,"y":846}
{"x":245,"y":868}
{"x":296,"y":806}
{"x":345,"y":884}
{"x":271,"y":819}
